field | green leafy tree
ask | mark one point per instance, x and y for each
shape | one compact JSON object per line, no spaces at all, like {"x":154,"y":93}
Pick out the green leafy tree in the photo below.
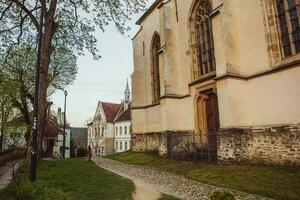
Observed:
{"x":68,"y":25}
{"x":17,"y":82}
{"x":6,"y":110}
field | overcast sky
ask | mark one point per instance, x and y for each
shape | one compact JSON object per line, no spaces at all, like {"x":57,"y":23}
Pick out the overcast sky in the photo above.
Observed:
{"x":103,"y":79}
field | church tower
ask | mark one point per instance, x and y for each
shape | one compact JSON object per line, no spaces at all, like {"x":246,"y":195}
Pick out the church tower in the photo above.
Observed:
{"x":127,"y":93}
{"x":126,"y":100}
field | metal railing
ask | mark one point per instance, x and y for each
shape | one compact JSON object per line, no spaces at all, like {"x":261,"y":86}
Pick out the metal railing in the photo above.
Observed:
{"x":193,"y":146}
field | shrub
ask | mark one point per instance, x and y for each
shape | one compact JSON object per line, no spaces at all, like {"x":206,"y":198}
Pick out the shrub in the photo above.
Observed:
{"x":222,"y":195}
{"x":81,"y":152}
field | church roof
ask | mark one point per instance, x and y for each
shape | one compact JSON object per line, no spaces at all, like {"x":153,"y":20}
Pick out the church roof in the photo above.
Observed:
{"x":110,"y":110}
{"x":148,"y":11}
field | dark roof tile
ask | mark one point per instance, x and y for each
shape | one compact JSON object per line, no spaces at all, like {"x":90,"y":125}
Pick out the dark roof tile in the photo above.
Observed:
{"x":110,"y":110}
{"x":124,"y":116}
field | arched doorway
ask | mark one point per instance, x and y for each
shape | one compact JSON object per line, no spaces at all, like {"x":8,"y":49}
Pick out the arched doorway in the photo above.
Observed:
{"x":208,"y":112}
{"x":208,"y":124}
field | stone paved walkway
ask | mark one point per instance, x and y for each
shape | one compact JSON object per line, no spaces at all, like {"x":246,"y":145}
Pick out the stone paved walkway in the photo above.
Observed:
{"x":6,"y":173}
{"x":168,"y":183}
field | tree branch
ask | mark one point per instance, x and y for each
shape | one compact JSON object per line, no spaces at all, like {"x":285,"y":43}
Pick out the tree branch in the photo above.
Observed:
{"x":6,"y":9}
{"x":52,"y":9}
{"x":28,"y":12}
{"x":75,"y":10}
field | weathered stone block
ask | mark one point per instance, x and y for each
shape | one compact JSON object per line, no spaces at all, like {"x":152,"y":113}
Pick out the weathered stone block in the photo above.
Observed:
{"x":276,"y":145}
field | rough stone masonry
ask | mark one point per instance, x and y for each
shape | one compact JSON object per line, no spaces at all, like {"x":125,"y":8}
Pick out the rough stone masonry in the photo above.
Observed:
{"x":271,"y":145}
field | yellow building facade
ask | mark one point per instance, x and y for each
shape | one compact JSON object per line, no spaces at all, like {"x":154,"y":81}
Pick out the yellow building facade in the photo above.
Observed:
{"x":227,"y":67}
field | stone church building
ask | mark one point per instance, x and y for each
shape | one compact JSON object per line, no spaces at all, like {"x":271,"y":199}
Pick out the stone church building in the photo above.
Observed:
{"x":226,"y":69}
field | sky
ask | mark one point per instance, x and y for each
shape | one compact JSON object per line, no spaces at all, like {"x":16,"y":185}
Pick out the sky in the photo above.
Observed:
{"x":103,"y":79}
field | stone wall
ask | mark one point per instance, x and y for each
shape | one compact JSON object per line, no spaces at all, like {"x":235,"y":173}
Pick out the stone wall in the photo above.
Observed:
{"x":172,"y":144}
{"x":275,"y":145}
{"x":150,"y":142}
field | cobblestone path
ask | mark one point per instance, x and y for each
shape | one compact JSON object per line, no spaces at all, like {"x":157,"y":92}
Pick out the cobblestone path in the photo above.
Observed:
{"x":168,"y":183}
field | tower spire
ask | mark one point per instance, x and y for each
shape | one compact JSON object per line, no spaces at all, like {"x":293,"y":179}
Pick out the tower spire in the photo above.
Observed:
{"x":127,"y":92}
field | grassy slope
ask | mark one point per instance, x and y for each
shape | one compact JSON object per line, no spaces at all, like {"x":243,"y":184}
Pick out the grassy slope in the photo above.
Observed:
{"x":69,"y":179}
{"x":270,"y":181}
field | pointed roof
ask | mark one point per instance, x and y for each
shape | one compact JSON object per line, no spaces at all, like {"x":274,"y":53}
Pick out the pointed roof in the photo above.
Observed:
{"x":110,"y":110}
{"x":124,"y":116}
{"x":127,"y":90}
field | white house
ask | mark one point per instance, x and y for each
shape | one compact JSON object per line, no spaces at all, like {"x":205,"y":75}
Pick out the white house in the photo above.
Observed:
{"x":102,"y":130}
{"x":58,"y":147}
{"x":123,"y":132}
{"x":123,"y":125}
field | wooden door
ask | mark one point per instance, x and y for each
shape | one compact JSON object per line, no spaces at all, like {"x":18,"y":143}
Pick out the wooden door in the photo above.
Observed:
{"x":212,"y":113}
{"x":212,"y":120}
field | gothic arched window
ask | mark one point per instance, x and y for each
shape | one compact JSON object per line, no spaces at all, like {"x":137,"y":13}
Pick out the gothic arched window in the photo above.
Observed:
{"x":201,"y":39}
{"x":204,"y":38}
{"x":288,"y":13}
{"x":155,"y":78}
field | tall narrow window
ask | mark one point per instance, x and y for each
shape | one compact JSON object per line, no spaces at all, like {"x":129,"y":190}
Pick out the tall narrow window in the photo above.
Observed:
{"x":102,"y":132}
{"x":155,"y":68}
{"x":288,"y":12}
{"x":204,"y":38}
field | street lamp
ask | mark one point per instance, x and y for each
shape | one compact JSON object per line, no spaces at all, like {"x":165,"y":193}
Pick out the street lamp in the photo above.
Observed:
{"x":64,"y":132}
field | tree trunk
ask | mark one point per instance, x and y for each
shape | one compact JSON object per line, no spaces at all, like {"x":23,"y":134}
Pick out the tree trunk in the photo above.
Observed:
{"x":2,"y":126}
{"x":1,"y":141}
{"x":46,"y":51}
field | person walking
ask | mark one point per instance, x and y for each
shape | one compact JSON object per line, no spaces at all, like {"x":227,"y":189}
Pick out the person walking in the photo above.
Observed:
{"x":90,"y":154}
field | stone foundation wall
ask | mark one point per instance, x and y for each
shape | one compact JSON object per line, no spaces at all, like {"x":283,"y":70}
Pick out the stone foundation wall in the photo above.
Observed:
{"x":276,"y":145}
{"x":150,"y":142}
{"x":161,"y":142}
{"x":167,"y":143}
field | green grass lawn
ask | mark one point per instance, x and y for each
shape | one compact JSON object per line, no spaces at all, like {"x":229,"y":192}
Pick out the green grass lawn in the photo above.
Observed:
{"x":276,"y":182}
{"x":70,"y":179}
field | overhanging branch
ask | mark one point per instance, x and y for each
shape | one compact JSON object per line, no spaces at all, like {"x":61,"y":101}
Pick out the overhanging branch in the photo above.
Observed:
{"x":28,"y":12}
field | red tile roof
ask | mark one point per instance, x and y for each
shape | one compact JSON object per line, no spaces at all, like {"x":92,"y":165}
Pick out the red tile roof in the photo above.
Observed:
{"x":110,"y":110}
{"x":124,"y":116}
{"x":51,"y":128}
